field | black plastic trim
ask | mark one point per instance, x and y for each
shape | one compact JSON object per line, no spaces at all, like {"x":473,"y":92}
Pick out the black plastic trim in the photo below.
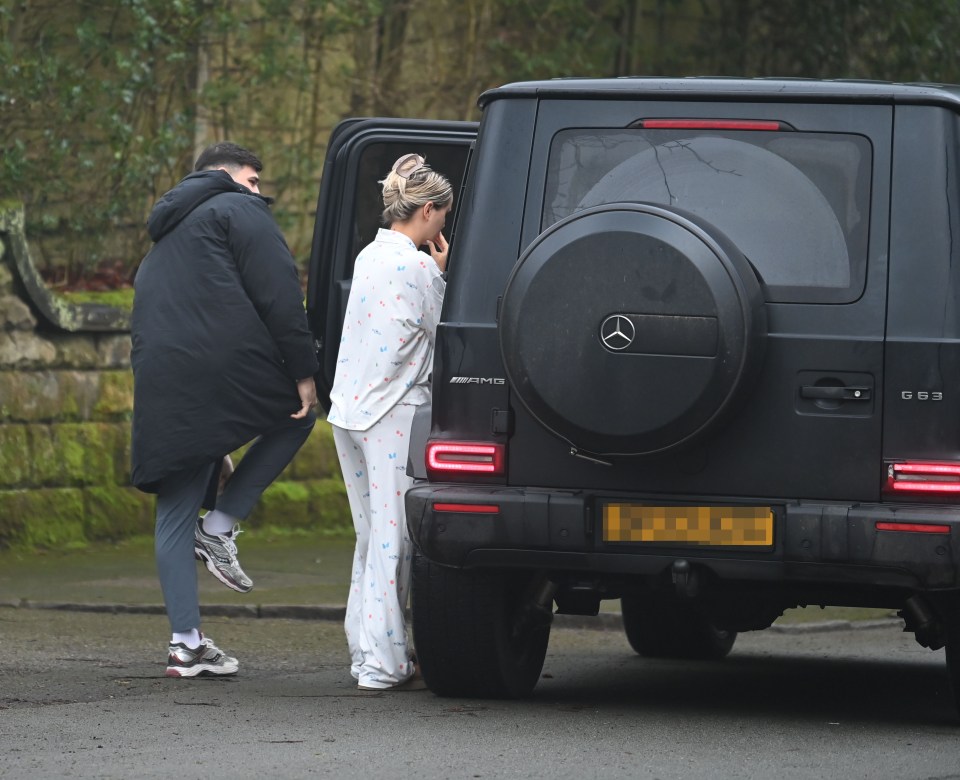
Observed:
{"x":814,"y":543}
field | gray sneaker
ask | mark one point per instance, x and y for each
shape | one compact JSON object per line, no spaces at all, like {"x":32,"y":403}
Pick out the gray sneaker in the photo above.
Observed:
{"x":219,"y":553}
{"x":205,"y":661}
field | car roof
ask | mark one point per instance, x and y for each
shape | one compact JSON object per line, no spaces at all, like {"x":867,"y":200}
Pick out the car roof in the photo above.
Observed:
{"x":713,"y":88}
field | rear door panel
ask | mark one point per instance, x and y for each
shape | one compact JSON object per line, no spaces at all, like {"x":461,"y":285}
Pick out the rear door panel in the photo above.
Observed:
{"x":784,"y":441}
{"x":922,"y":413}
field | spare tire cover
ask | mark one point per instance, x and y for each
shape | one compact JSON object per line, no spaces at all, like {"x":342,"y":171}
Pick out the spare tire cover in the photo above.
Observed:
{"x":631,"y":329}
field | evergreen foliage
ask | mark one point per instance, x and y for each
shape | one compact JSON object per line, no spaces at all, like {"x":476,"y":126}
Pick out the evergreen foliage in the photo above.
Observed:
{"x":104,"y":103}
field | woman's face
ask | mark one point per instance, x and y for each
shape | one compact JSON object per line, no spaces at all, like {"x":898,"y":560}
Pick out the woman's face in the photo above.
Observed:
{"x":437,"y":219}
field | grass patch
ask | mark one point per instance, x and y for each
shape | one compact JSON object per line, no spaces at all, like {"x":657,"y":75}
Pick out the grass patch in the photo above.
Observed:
{"x":272,"y":533}
{"x":119,"y":299}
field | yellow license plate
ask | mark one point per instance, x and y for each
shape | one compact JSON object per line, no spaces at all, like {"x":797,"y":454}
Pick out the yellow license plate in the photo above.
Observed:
{"x":713,"y":526}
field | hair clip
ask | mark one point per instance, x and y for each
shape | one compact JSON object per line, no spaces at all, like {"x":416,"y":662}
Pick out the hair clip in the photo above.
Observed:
{"x":408,"y":165}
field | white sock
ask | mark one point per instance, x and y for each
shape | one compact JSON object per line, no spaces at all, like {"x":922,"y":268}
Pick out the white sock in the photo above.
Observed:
{"x":217,"y":523}
{"x":189,"y":638}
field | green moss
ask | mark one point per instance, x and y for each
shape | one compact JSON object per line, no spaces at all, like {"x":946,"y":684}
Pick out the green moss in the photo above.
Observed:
{"x":64,"y":484}
{"x":14,"y":459}
{"x":328,"y":506}
{"x":317,"y":458}
{"x":113,"y":513}
{"x":318,"y":505}
{"x":74,"y":454}
{"x":49,"y":518}
{"x":115,"y":398}
{"x":121,"y":299}
{"x":11,"y":521}
{"x":71,"y":452}
{"x":283,"y":503}
{"x":70,"y":408}
{"x":120,"y":450}
{"x":45,"y":465}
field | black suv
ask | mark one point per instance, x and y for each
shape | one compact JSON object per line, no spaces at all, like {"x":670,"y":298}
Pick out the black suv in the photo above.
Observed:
{"x":699,"y":352}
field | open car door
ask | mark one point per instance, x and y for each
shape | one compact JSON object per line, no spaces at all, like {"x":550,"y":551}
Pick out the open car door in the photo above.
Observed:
{"x":359,"y":155}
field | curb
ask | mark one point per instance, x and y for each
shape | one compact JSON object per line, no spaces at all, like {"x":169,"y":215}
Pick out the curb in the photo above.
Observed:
{"x":288,"y":611}
{"x":606,"y":621}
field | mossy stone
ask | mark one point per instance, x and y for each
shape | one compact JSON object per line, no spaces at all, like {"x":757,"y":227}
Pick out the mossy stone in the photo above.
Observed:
{"x":114,"y":351}
{"x":117,"y":512}
{"x":116,"y":395}
{"x":121,"y":452}
{"x":50,"y":518}
{"x":283,"y":504}
{"x":74,"y":351}
{"x":14,"y":456}
{"x":45,"y":396}
{"x":317,"y":458}
{"x":76,"y":454}
{"x":328,"y":505}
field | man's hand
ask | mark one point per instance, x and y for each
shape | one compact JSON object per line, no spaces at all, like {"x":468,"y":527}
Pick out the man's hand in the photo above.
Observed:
{"x":307,"y":389}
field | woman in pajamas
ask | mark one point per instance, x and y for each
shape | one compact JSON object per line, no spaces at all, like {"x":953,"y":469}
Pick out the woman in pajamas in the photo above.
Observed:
{"x":383,"y":368}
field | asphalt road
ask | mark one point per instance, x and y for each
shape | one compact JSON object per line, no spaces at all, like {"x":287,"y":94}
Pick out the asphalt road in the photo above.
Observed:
{"x":82,"y":695}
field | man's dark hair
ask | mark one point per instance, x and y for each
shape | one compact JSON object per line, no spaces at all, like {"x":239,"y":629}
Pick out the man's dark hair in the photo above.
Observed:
{"x":226,"y":153}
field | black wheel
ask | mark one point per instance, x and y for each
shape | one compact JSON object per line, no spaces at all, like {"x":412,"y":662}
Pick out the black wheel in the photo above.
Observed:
{"x":474,"y":635}
{"x":668,"y":628}
{"x":661,"y":314}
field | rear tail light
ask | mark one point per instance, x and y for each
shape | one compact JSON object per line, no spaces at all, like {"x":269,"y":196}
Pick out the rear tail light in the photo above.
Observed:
{"x":709,"y":124}
{"x":943,"y":478}
{"x":453,"y":457}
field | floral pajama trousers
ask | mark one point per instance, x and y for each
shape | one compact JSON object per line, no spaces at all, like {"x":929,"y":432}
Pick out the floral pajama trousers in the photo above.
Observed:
{"x":374,"y":464}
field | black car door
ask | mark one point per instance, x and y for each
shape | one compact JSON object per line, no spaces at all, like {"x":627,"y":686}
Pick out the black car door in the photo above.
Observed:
{"x":359,"y":155}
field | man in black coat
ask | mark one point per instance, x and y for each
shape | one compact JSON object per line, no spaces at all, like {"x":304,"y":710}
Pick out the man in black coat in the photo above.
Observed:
{"x":222,"y":355}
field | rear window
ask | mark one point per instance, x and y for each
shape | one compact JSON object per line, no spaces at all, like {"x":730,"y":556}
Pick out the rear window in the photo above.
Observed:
{"x":796,"y":204}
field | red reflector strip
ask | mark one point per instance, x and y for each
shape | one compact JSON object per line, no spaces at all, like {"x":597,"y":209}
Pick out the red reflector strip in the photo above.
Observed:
{"x":708,"y":124}
{"x":914,"y":528}
{"x":467,"y":458}
{"x":478,"y":509}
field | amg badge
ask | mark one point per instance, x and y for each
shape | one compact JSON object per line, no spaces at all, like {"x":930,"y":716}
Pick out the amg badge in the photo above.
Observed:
{"x":477,"y":380}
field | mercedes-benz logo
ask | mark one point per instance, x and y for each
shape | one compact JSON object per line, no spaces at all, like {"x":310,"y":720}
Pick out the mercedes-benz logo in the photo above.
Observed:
{"x":617,"y":332}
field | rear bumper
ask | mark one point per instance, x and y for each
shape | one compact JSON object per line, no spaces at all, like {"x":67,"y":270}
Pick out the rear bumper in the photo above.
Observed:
{"x":814,"y":543}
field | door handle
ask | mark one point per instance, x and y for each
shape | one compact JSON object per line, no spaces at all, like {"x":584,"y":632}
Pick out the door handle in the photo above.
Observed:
{"x":835,"y":393}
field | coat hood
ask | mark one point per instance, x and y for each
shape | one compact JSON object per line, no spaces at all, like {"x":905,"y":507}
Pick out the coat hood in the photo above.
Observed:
{"x":191,"y":192}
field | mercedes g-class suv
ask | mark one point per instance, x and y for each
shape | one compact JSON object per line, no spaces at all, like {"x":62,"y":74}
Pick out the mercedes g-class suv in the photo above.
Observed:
{"x":699,"y":352}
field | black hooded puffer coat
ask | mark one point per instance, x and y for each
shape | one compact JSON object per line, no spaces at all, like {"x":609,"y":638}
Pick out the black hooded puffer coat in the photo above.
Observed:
{"x":219,"y":331}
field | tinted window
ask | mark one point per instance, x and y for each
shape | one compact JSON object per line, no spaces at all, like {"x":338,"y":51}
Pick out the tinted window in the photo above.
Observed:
{"x":796,"y":204}
{"x":374,"y":164}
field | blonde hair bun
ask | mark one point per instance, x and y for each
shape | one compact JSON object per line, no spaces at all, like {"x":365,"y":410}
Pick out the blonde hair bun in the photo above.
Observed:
{"x":410,"y":185}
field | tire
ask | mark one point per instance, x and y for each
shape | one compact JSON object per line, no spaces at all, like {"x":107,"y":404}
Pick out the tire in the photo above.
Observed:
{"x":953,"y":662}
{"x":632,"y":329}
{"x":667,"y":628}
{"x":474,"y":636}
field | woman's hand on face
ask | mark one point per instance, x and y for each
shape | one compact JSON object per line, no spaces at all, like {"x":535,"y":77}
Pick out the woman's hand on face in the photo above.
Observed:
{"x":438,"y":250}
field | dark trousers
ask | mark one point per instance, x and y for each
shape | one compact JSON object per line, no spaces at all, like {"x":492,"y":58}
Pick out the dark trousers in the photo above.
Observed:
{"x":180,"y":499}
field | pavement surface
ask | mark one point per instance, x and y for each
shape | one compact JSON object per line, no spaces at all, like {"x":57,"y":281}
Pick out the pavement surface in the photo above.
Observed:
{"x":296,"y":575}
{"x":82,"y":695}
{"x":833,"y":693}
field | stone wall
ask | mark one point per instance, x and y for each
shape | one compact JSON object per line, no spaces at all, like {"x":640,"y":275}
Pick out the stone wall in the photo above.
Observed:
{"x":66,"y":398}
